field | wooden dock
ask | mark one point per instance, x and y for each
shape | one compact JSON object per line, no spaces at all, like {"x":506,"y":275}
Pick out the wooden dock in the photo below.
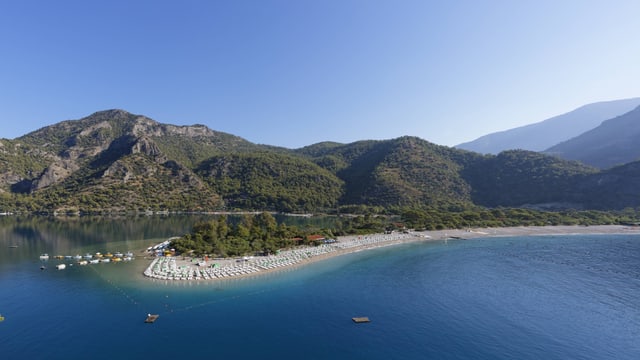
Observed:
{"x":362,"y":319}
{"x":151,"y":318}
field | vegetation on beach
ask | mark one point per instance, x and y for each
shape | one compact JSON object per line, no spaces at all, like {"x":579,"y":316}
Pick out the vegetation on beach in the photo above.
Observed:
{"x":417,"y":218}
{"x":262,"y":234}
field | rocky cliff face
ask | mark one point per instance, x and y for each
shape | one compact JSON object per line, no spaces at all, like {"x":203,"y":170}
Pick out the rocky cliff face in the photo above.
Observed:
{"x":97,"y":142}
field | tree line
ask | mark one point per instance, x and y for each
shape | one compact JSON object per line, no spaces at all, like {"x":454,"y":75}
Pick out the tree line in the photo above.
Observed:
{"x":262,"y":234}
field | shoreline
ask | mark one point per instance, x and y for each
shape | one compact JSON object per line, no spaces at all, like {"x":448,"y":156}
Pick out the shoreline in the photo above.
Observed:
{"x":192,"y":269}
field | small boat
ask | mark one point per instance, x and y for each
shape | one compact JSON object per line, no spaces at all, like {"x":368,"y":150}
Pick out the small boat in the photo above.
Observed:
{"x":59,"y":257}
{"x":360,"y":319}
{"x":1,"y":317}
{"x":116,"y":259}
{"x":151,"y":318}
{"x":42,"y":267}
{"x":98,"y":255}
{"x":127,"y":258}
{"x":44,"y":257}
{"x":13,"y":246}
{"x":78,"y":257}
{"x":108,"y":255}
{"x":94,"y":261}
{"x":105,"y":260}
{"x":61,"y":266}
{"x":118,"y":254}
{"x":128,"y":254}
{"x":88,"y":256}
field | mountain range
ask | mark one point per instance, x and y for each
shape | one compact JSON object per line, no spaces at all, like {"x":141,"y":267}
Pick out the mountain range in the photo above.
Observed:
{"x":614,"y":142}
{"x":117,"y":161}
{"x":545,"y":135}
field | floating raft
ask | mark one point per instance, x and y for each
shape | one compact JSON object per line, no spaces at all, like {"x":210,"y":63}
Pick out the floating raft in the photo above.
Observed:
{"x":151,"y":318}
{"x":362,"y":319}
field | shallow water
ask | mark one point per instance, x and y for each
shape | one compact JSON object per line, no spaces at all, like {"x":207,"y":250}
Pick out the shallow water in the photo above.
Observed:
{"x":552,"y":297}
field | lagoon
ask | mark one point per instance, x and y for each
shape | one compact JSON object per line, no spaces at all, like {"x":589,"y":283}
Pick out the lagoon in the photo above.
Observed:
{"x":552,"y":297}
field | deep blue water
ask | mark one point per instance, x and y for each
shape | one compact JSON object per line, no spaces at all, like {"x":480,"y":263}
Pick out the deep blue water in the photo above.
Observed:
{"x":553,"y":297}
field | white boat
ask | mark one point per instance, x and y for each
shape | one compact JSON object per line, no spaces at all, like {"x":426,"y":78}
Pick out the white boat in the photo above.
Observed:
{"x":83,"y":262}
{"x":44,"y":257}
{"x":118,"y":254}
{"x":61,"y":266}
{"x":78,"y":257}
{"x":105,"y":260}
{"x":94,"y":261}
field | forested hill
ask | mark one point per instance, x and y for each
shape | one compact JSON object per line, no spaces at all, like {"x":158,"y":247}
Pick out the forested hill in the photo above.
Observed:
{"x":403,"y":171}
{"x":116,"y":161}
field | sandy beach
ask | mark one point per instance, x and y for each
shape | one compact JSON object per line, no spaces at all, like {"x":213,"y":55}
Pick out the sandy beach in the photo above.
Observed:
{"x":197,"y":269}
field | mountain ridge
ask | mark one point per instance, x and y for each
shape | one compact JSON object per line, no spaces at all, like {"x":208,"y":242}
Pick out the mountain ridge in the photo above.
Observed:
{"x":547,"y":133}
{"x":113,"y":160}
{"x":613,"y":142}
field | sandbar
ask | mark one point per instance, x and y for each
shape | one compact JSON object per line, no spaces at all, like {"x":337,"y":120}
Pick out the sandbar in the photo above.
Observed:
{"x":199,"y":269}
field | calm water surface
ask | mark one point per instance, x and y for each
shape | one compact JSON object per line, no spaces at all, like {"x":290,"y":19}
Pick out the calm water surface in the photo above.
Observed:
{"x":553,"y":297}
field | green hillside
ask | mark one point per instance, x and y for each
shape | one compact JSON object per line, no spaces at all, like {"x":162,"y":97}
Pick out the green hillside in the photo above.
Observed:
{"x":271,"y":181}
{"x":114,"y":161}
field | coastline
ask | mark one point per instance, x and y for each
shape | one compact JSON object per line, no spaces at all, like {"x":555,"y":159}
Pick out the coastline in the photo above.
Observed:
{"x":188,"y":269}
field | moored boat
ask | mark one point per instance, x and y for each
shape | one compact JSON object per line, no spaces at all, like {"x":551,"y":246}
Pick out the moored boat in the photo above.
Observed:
{"x":44,"y":257}
{"x":61,"y":266}
{"x":151,"y":318}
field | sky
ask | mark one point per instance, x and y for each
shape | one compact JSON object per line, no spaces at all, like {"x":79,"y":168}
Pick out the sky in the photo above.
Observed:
{"x":294,"y":73}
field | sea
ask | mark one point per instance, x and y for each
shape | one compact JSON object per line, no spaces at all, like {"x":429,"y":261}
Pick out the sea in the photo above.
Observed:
{"x":544,"y":297}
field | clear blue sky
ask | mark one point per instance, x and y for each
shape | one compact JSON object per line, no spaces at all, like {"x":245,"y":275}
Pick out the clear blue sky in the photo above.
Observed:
{"x":293,"y":73}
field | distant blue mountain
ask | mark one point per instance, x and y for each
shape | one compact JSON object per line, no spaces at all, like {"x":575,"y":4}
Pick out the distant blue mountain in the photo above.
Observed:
{"x":615,"y":142}
{"x":545,"y":134}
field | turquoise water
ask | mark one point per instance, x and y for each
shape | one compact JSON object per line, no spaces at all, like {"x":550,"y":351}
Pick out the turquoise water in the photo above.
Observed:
{"x":554,"y":297}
